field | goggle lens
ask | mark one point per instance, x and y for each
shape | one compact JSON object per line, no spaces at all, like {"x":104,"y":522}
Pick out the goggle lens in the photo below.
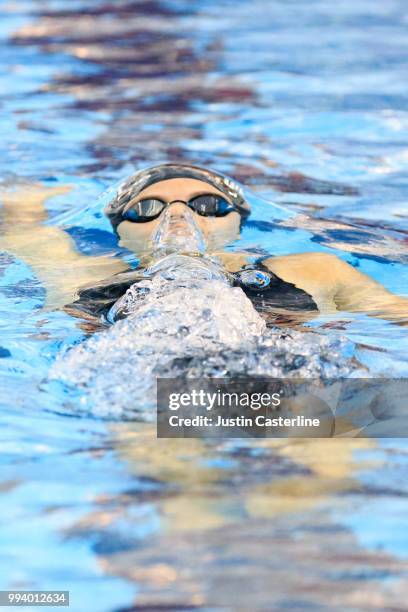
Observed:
{"x":210,"y":205}
{"x":145,"y":210}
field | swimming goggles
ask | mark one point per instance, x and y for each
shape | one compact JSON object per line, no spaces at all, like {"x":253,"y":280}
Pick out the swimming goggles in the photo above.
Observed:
{"x":206,"y":205}
{"x":118,"y":209}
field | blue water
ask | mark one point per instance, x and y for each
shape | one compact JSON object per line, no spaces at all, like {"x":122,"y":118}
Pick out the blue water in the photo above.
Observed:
{"x":306,"y":104}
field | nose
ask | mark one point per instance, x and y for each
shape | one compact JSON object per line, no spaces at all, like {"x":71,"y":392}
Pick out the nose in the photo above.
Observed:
{"x":178,"y":215}
{"x":177,"y":207}
{"x":178,"y":230}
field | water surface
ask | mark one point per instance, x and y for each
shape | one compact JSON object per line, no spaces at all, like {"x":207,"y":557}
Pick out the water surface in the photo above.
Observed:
{"x":304,"y":102}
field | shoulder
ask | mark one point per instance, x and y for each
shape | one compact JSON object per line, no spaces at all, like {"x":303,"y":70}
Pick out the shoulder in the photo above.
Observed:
{"x":234,"y":261}
{"x":317,"y":273}
{"x":315,"y":265}
{"x":304,"y":259}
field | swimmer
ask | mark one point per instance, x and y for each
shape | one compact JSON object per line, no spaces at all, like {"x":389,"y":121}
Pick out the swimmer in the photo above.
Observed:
{"x":182,"y":208}
{"x":200,"y":211}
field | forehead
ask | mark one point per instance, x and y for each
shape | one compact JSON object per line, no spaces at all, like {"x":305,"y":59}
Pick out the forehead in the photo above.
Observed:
{"x":178,"y":188}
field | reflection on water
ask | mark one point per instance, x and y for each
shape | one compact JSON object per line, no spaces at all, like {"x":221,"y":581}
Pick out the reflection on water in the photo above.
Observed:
{"x":89,"y":89}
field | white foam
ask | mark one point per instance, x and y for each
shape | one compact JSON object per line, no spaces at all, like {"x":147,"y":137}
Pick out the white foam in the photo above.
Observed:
{"x":186,"y":321}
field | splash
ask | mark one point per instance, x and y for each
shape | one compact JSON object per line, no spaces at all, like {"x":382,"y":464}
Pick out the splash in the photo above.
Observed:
{"x":185,"y":319}
{"x":178,"y":232}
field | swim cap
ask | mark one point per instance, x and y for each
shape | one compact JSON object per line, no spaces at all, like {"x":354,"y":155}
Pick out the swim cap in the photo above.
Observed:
{"x":131,"y":188}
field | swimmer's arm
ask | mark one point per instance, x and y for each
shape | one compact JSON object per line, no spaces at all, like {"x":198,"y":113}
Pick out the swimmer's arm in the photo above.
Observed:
{"x":333,"y":283}
{"x":357,"y":292}
{"x":49,"y":251}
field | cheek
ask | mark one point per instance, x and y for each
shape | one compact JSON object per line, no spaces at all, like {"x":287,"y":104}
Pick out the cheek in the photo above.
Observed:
{"x":232,"y":223}
{"x":202,"y":223}
{"x":227,"y":226}
{"x":136,"y":233}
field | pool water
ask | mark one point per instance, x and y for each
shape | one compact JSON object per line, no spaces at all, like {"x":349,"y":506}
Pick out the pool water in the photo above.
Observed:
{"x":306,"y":104}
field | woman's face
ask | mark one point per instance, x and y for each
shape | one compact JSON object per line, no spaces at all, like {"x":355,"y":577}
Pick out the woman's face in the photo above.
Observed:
{"x":215,"y":231}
